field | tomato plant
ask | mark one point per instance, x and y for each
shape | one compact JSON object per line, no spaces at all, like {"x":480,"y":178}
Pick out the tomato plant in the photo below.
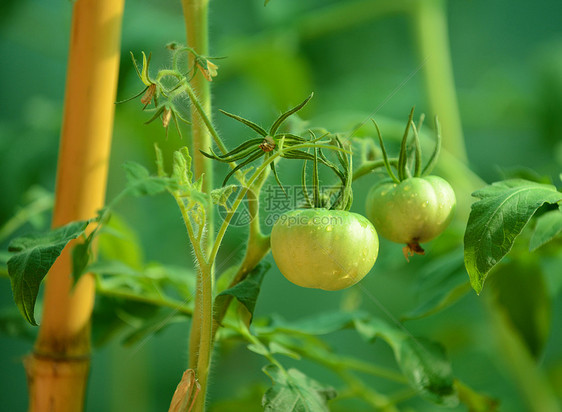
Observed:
{"x":184,"y":279}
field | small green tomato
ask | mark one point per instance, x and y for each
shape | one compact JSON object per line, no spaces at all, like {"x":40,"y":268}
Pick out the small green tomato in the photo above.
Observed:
{"x":324,"y":249}
{"x":413,"y":211}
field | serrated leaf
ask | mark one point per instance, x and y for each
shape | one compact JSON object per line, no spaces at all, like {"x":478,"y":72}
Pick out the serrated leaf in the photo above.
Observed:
{"x":519,"y":289}
{"x":442,"y":282}
{"x":248,"y":290}
{"x":221,"y":195}
{"x":496,"y":220}
{"x":427,"y":368}
{"x":423,"y":362}
{"x":293,"y":391}
{"x":182,"y":166}
{"x":140,"y":183}
{"x":549,"y":225}
{"x":34,"y":256}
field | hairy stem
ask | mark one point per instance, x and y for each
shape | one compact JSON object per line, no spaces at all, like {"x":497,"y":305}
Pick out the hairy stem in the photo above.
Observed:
{"x":257,"y":247}
{"x":196,"y":24}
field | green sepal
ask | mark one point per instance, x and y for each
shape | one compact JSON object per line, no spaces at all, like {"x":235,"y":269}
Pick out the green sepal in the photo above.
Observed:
{"x":385,"y":155}
{"x":258,"y":129}
{"x":258,"y":153}
{"x":403,"y":156}
{"x":275,"y":126}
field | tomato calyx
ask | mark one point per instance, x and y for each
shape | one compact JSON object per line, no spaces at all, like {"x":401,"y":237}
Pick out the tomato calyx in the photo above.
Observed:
{"x":411,"y":249}
{"x":336,"y":197}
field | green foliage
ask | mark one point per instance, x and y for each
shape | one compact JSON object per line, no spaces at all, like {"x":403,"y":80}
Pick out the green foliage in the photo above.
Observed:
{"x":247,"y":290}
{"x":141,"y":302}
{"x":33,"y":257}
{"x":221,"y":195}
{"x":293,"y":391}
{"x":549,"y":226}
{"x":141,"y":183}
{"x":495,"y":221}
{"x":442,"y":282}
{"x":423,"y":362}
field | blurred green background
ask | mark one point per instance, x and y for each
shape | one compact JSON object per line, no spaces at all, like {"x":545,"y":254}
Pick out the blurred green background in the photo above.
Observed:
{"x":507,"y":60}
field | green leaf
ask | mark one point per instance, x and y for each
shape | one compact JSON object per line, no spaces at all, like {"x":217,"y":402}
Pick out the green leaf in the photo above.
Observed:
{"x":321,"y":324}
{"x":440,"y":301}
{"x":140,"y":183}
{"x":276,"y":347}
{"x":293,"y":391}
{"x":118,"y":241}
{"x":81,"y":255}
{"x":519,"y":289}
{"x":497,"y":219}
{"x":427,"y":368}
{"x":34,"y":256}
{"x":423,"y":362}
{"x":549,"y":225}
{"x":442,"y":282}
{"x":248,"y":290}
{"x":221,"y":195}
{"x":259,"y":349}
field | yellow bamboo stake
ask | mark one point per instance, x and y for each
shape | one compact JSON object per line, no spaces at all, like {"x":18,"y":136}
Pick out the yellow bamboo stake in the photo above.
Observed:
{"x":58,"y":368}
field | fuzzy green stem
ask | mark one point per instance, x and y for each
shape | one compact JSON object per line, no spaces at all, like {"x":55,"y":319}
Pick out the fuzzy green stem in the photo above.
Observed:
{"x":196,"y":24}
{"x":200,"y":341}
{"x":431,"y":31}
{"x":257,"y":247}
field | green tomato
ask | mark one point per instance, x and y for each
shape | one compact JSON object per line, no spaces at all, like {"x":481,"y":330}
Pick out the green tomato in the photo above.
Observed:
{"x":413,"y":211}
{"x":324,"y":249}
